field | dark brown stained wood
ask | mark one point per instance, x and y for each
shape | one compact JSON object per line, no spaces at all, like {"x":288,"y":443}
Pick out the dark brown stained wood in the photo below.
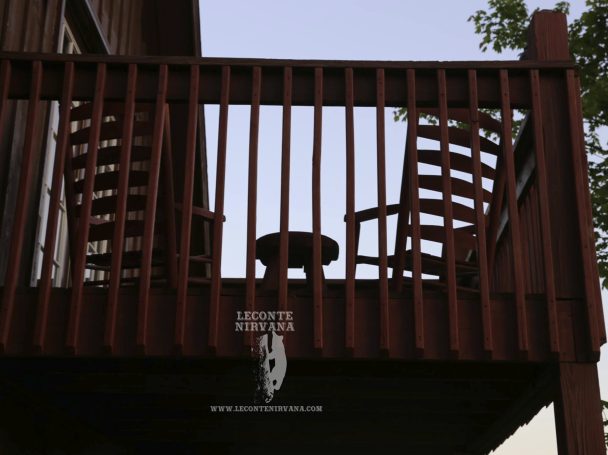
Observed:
{"x":496,"y":208}
{"x":187,"y":212}
{"x":285,"y":170}
{"x":17,"y":238}
{"x":350,"y":208}
{"x":107,"y":204}
{"x":543,"y":207}
{"x":168,"y":193}
{"x":150,"y":213}
{"x":486,"y":121}
{"x":458,"y":162}
{"x":403,"y":215}
{"x":110,"y":180}
{"x":585,"y":225}
{"x":84,"y":112}
{"x":431,"y":206}
{"x":122,"y":204}
{"x":61,"y":155}
{"x":457,"y":136}
{"x":230,"y":343}
{"x":382,"y":234}
{"x":5,"y":114}
{"x":548,"y":37}
{"x":412,"y":158}
{"x":5,"y":77}
{"x":82,"y":233}
{"x":220,"y":180}
{"x":463,"y":235}
{"x":317,"y":267}
{"x":112,"y":155}
{"x":477,"y":170}
{"x":520,"y":67}
{"x":448,"y":226}
{"x":109,"y":130}
{"x":578,"y":410}
{"x":252,"y":195}
{"x":459,"y":187}
{"x":395,"y":74}
{"x":514,"y":226}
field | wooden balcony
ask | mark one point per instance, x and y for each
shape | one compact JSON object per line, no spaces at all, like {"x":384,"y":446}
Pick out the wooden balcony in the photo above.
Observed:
{"x":511,"y":295}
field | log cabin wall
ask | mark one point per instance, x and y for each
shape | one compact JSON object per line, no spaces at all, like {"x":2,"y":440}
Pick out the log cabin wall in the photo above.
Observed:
{"x":129,"y":27}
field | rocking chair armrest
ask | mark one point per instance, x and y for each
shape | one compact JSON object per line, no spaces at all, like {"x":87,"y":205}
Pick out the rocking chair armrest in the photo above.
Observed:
{"x":373,"y":213}
{"x":199,"y":211}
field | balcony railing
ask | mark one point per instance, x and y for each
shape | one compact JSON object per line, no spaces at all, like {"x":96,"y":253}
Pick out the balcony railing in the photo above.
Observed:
{"x":500,"y":228}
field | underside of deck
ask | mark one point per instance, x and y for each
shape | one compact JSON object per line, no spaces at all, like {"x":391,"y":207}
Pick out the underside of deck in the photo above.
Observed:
{"x":163,"y":405}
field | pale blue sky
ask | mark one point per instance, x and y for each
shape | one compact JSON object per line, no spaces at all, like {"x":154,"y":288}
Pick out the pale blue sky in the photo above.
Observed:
{"x":338,"y":29}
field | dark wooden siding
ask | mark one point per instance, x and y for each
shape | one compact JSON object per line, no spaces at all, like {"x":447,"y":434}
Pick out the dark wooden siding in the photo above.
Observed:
{"x":25,"y":26}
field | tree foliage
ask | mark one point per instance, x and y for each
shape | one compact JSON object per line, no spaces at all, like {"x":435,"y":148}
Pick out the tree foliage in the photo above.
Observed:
{"x":503,"y":26}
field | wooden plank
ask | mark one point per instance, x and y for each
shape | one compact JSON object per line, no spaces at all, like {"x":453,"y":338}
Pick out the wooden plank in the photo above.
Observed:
{"x":168,"y":193}
{"x":458,"y":162}
{"x":285,"y":169}
{"x":238,"y":63}
{"x":508,"y":159}
{"x":585,"y":225}
{"x":350,"y":210}
{"x":218,"y":227}
{"x":578,"y":410}
{"x":61,"y":153}
{"x":480,"y":218}
{"x":20,"y":217}
{"x":187,"y":200}
{"x":412,"y":159}
{"x":448,"y":222}
{"x":150,"y":213}
{"x":82,"y":234}
{"x":382,"y":229}
{"x":5,"y":79}
{"x":543,"y":208}
{"x":303,"y":81}
{"x":252,"y":194}
{"x":317,"y":267}
{"x":118,"y":239}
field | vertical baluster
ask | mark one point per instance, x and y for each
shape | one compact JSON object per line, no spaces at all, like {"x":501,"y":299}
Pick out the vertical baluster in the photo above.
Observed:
{"x":412,"y":147}
{"x":218,"y":227}
{"x":508,"y":159}
{"x":480,"y":218}
{"x":381,"y":181}
{"x":5,"y":79}
{"x":317,"y":266}
{"x":350,"y":210}
{"x":150,"y":213}
{"x":252,"y":193}
{"x":85,"y":212}
{"x":168,"y":193}
{"x":187,"y":198}
{"x":118,"y":239}
{"x":23,"y":196}
{"x":594,"y":315}
{"x":285,"y":160}
{"x":543,"y":207}
{"x":448,"y":220}
{"x":61,"y":154}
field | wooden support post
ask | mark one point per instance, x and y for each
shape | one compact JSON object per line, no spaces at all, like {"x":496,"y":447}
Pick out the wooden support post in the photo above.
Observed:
{"x":556,"y":100}
{"x":578,"y":413}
